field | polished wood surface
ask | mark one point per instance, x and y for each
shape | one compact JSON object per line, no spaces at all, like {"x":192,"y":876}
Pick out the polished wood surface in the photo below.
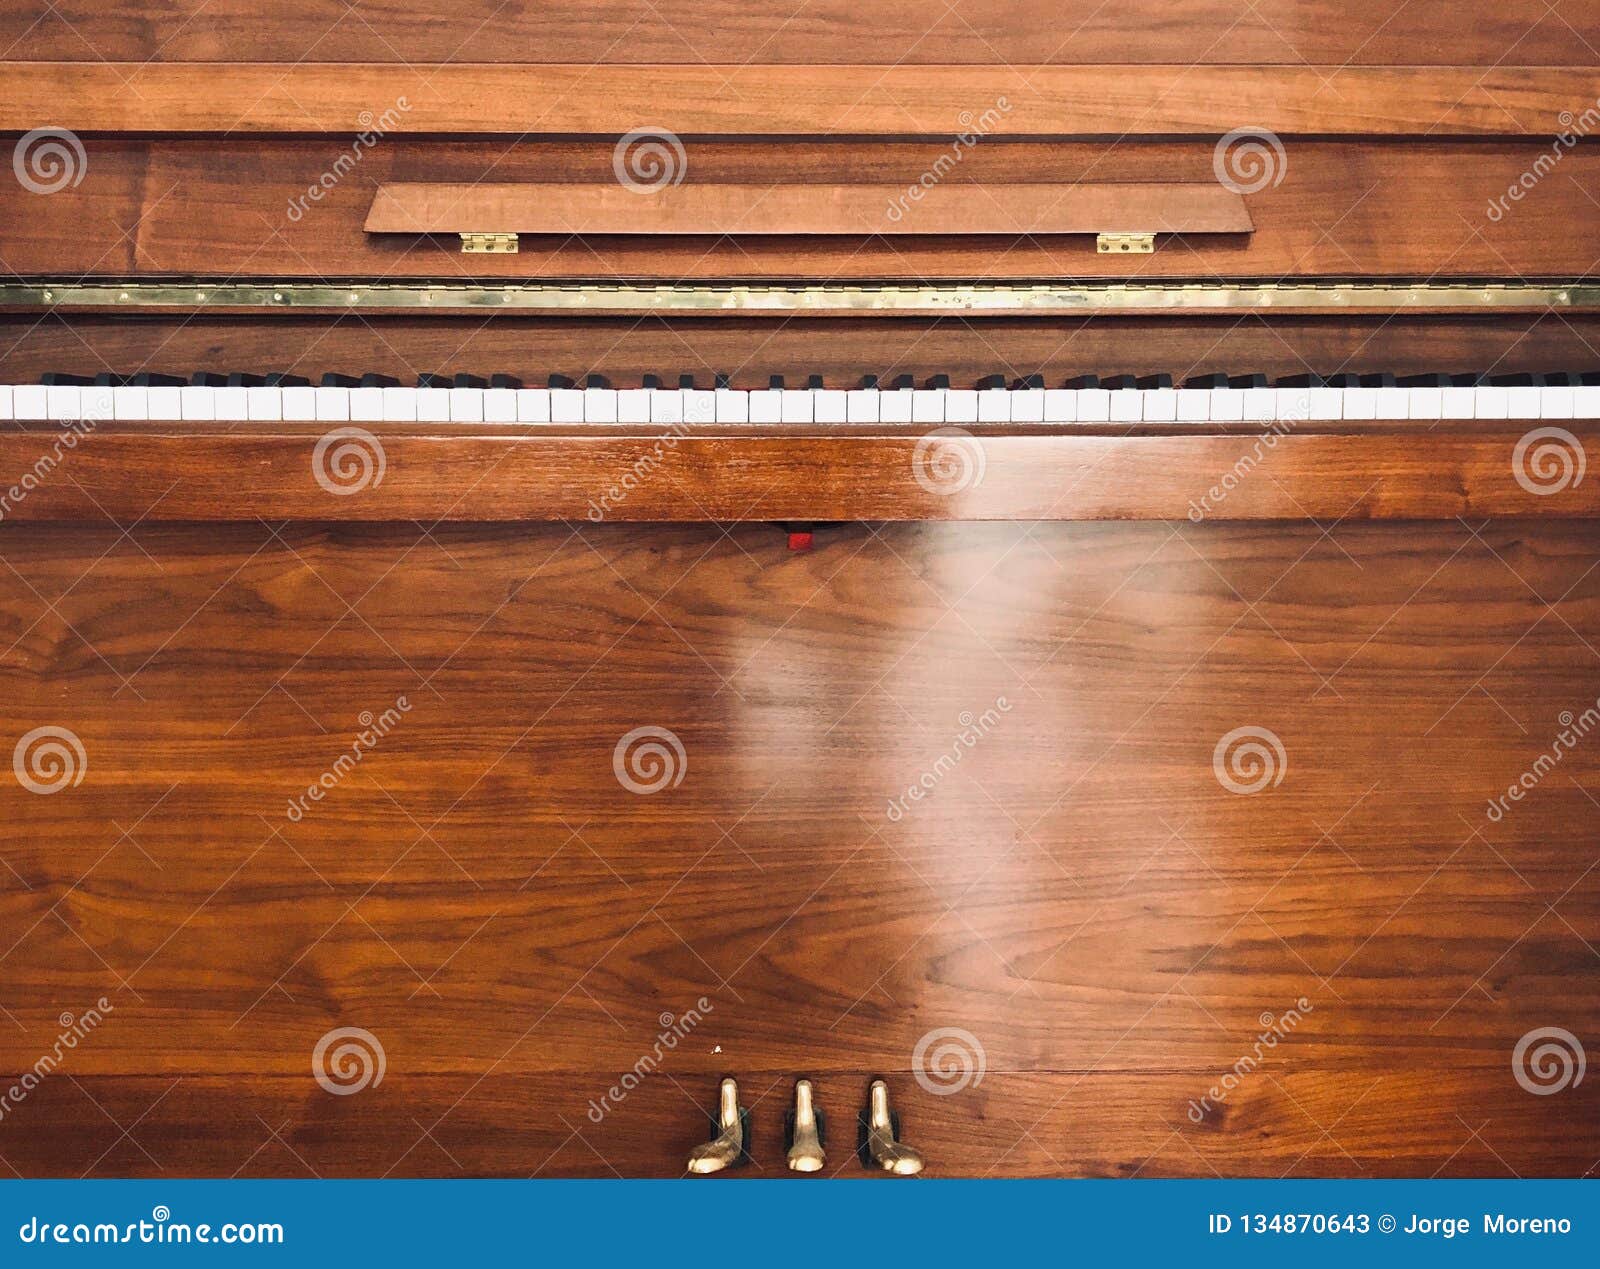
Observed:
{"x":462,"y":473}
{"x":774,"y":208}
{"x":753,"y":99}
{"x":1016,"y":32}
{"x":1079,"y":892}
{"x":1333,"y":208}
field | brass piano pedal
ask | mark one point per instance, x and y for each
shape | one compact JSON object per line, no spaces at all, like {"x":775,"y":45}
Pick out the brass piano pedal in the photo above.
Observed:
{"x":730,"y":1134}
{"x":879,"y":1143}
{"x":805,"y":1128}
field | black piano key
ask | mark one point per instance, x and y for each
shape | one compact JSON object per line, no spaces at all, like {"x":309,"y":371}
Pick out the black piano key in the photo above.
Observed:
{"x":651,"y":383}
{"x":208,"y":379}
{"x":1589,"y":378}
{"x":596,"y":381}
{"x":1082,"y":382}
{"x":937,"y":382}
{"x":722,"y":381}
{"x":504,"y":381}
{"x":1423,"y":381}
{"x":869,"y":382}
{"x":239,"y":379}
{"x":1512,"y":381}
{"x":432,"y":381}
{"x":60,"y":379}
{"x":105,"y":379}
{"x":1031,"y":383}
{"x":1383,"y":380}
{"x":1151,"y":382}
{"x":149,"y":380}
{"x":1207,"y":381}
{"x":686,"y":382}
{"x":775,"y":382}
{"x":279,"y":380}
{"x":560,"y":381}
{"x":1557,"y":379}
{"x":1119,"y":383}
{"x":1248,"y":381}
{"x":331,"y":380}
{"x":1468,"y":379}
{"x":379,"y":381}
{"x":990,"y":382}
{"x":903,"y":383}
{"x":1303,"y":381}
{"x":468,"y":381}
{"x":814,"y":383}
{"x":1345,"y":380}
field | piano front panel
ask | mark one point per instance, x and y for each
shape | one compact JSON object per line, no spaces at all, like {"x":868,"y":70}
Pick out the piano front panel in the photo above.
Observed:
{"x":1352,"y":208}
{"x":1079,"y":891}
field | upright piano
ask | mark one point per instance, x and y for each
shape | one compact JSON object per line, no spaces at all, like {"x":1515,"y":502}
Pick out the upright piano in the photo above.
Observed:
{"x":1002,"y":589}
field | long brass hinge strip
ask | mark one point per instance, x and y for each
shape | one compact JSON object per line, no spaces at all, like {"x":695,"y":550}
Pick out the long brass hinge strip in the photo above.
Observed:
{"x":195,"y":294}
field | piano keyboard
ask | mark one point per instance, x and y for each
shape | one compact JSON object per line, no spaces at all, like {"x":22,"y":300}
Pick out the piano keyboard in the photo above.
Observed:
{"x":935,"y":403}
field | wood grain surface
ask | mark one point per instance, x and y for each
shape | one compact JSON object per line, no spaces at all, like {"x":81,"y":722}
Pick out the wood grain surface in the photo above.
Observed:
{"x":1436,"y":209}
{"x":998,"y":32}
{"x":748,"y":99}
{"x":1078,"y":891}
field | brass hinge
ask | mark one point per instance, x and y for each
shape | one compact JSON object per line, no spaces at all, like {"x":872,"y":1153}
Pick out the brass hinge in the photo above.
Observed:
{"x":1125,"y":244}
{"x":476,"y":244}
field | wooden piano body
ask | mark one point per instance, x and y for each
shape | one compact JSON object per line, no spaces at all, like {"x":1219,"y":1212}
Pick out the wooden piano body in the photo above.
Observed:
{"x":1147,"y":797}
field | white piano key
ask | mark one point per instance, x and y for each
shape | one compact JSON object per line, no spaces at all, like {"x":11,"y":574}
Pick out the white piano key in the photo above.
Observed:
{"x":500,"y":405}
{"x":1391,"y":403}
{"x":366,"y":405}
{"x":264,"y":405}
{"x":1458,"y":403}
{"x":1027,"y":405}
{"x":1424,"y":403}
{"x":1260,"y":404}
{"x":666,"y":405}
{"x":432,"y":404}
{"x":232,"y":404}
{"x":894,"y":405}
{"x":1326,"y":403}
{"x":633,"y":405}
{"x":1292,"y":404}
{"x":1489,"y":402}
{"x":1555,"y":403}
{"x":927,"y":405}
{"x":533,"y":405}
{"x":199,"y":404}
{"x":766,"y":405}
{"x":97,"y":404}
{"x":699,"y":405}
{"x":733,"y":405}
{"x":129,"y":403}
{"x":1522,"y":403}
{"x":399,"y":405}
{"x":861,"y":405}
{"x":797,"y":405}
{"x":299,"y":404}
{"x":1227,"y":404}
{"x":333,"y":404}
{"x":1194,"y":405}
{"x":1094,"y":404}
{"x":1127,"y":405}
{"x":961,"y":405}
{"x":829,"y":406}
{"x":566,"y":405}
{"x":1360,"y":403}
{"x":1159,"y":405}
{"x":62,"y":401}
{"x":30,"y":401}
{"x":599,"y":405}
{"x":5,"y":402}
{"x":466,"y":405}
{"x":1585,"y":402}
{"x":1060,"y":405}
{"x":994,"y":405}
